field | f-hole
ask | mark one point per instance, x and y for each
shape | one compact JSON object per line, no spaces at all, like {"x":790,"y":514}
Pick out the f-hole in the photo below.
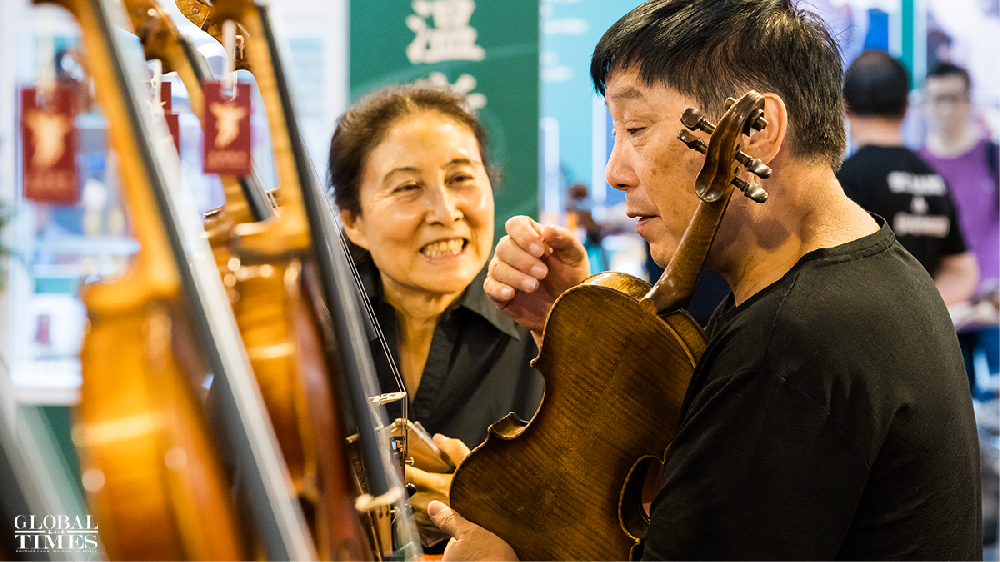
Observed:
{"x":640,"y":488}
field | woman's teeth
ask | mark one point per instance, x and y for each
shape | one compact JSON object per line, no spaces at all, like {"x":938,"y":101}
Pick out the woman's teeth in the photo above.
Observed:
{"x":444,"y":248}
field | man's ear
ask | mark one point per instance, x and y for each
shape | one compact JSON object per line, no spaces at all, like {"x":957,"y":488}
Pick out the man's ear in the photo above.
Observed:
{"x":766,"y":144}
{"x":352,"y":228}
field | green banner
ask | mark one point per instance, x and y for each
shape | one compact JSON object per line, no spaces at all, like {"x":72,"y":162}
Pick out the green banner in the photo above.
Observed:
{"x":487,"y":50}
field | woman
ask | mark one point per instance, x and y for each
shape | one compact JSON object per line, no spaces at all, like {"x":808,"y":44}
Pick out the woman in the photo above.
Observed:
{"x":410,"y":175}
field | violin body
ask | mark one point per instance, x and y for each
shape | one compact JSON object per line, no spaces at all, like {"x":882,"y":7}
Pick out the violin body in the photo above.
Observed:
{"x":582,"y":395}
{"x":261,"y":305}
{"x":136,"y":398}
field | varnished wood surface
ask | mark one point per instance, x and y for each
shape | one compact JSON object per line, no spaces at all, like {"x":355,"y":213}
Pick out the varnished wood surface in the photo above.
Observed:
{"x":597,"y":419}
{"x":154,"y":479}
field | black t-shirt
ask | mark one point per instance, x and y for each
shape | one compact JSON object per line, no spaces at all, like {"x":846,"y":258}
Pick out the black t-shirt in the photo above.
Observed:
{"x":895,"y":183}
{"x":829,"y":418}
{"x":478,"y":369}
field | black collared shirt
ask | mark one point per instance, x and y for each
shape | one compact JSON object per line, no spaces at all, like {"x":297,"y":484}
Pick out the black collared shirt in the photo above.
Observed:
{"x":477,"y":370}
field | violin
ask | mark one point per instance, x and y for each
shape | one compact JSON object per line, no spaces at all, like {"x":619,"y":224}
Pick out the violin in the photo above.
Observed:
{"x":149,"y":464}
{"x":267,"y":283}
{"x":263,"y":320}
{"x":568,"y":485}
{"x":139,"y":419}
{"x":305,"y":230}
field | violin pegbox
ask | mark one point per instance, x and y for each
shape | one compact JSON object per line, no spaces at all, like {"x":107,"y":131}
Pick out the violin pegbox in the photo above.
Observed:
{"x":747,"y":115}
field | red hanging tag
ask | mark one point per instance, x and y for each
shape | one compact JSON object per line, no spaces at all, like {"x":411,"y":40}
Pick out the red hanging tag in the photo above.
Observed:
{"x":161,"y":103}
{"x":48,"y":140}
{"x":164,"y":105}
{"x":175,"y":129}
{"x":228,"y":138}
{"x":166,"y":101}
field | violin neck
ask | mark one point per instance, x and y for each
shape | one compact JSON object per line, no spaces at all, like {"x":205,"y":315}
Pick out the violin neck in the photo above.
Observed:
{"x":674,"y":288}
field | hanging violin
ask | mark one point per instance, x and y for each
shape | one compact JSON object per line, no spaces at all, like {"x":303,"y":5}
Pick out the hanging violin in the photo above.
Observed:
{"x":568,"y":485}
{"x":149,"y":464}
{"x":265,"y":319}
{"x":305,"y":211}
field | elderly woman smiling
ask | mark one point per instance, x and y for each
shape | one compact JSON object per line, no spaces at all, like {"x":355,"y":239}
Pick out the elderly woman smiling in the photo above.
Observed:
{"x":410,"y":175}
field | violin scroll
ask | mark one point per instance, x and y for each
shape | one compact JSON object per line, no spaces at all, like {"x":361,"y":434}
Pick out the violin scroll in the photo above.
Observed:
{"x":742,"y":118}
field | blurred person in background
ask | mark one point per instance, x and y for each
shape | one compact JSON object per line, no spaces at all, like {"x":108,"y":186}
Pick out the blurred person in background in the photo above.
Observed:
{"x":960,"y":149}
{"x":579,"y":216}
{"x":888,"y":179}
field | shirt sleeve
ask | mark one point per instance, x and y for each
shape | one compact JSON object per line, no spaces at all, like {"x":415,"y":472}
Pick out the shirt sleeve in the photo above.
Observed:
{"x":758,"y":471}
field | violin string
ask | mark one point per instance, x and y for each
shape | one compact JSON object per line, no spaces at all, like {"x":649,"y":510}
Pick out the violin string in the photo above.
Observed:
{"x":397,"y":376}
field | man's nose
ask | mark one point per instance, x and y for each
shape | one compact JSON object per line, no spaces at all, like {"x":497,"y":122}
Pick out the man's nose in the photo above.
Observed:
{"x":620,"y":171}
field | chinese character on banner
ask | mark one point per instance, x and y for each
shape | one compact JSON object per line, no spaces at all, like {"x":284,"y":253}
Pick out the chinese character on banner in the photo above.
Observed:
{"x":451,"y":37}
{"x":464,"y":85}
{"x":228,"y":137}
{"x":48,"y":138}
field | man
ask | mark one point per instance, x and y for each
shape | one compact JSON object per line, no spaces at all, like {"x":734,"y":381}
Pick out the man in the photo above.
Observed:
{"x":829,"y":416}
{"x":964,"y":155}
{"x":892,"y":181}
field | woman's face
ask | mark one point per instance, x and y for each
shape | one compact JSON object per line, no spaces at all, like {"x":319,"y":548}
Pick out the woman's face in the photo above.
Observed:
{"x":426,"y":206}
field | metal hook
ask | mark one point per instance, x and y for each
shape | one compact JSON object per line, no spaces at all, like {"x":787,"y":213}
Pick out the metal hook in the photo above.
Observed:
{"x":229,"y":71}
{"x":45,"y":83}
{"x":155,"y":83}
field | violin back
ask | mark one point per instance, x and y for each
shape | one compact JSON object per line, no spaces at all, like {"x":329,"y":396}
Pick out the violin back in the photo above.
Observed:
{"x":161,"y":492}
{"x":556,"y":474}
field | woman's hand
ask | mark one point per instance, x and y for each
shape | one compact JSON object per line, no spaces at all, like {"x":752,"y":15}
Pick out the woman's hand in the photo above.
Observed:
{"x":532,"y":266}
{"x":433,"y":486}
{"x":469,"y":541}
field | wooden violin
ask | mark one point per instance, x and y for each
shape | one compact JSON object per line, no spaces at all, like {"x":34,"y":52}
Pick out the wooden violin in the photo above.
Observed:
{"x":264,"y":292}
{"x":306,"y":224}
{"x":150,"y":468}
{"x":568,"y":485}
{"x":153,"y":476}
{"x":268,"y":277}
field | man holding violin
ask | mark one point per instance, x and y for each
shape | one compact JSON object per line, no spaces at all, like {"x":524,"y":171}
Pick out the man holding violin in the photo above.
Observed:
{"x":829,"y":417}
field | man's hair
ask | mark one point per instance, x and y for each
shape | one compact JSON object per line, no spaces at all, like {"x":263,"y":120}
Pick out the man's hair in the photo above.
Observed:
{"x":712,"y":49}
{"x":942,"y":69}
{"x":877,"y":85}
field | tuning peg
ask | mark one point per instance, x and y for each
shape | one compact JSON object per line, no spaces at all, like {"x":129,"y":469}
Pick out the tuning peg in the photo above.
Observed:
{"x":729,"y":103}
{"x":693,"y":142}
{"x":752,"y":190}
{"x":694,"y":119}
{"x":755,"y":166}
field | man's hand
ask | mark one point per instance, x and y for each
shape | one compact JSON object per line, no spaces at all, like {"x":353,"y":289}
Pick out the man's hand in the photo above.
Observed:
{"x":433,"y":486}
{"x":532,"y":266}
{"x":469,"y":541}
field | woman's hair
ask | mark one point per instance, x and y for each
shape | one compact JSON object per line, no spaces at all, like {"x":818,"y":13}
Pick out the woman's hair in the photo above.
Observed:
{"x":365,"y":125}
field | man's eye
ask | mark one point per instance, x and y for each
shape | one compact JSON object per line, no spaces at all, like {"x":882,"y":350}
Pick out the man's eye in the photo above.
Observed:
{"x":635,"y":130}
